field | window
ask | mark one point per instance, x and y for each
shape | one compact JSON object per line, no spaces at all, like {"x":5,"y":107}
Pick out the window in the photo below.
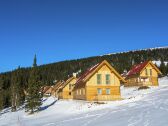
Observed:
{"x":108,"y":91}
{"x":70,"y":86}
{"x":107,"y":78}
{"x":99,"y":91}
{"x":146,"y":72}
{"x":98,"y":78}
{"x":83,"y":91}
{"x":80,"y":92}
{"x":150,"y":72}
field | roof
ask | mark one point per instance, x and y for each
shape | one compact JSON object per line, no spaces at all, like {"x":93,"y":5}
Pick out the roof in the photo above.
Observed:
{"x":57,"y":85}
{"x":89,"y":72}
{"x":67,"y":81}
{"x":136,"y":69}
{"x":45,"y":88}
{"x":49,"y":90}
{"x":123,"y":74}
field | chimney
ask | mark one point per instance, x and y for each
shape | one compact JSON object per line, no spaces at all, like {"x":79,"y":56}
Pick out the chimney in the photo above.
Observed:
{"x":74,"y":74}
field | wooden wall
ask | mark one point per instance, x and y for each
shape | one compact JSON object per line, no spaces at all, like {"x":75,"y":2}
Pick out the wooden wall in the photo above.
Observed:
{"x":91,"y":86}
{"x":92,"y":94}
{"x":148,"y":67}
{"x":137,"y":80}
{"x":66,"y":92}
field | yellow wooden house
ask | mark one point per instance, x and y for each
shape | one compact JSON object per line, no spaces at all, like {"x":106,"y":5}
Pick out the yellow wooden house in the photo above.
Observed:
{"x":66,"y":91}
{"x":48,"y":91}
{"x":143,"y":74}
{"x":99,"y":83}
{"x":56,"y":88}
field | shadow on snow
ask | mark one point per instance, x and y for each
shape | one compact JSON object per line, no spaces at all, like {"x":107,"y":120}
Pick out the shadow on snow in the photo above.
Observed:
{"x":47,"y":106}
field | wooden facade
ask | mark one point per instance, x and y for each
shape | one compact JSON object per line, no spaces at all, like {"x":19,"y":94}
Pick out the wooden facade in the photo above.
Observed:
{"x":99,"y":83}
{"x":48,"y":91}
{"x":144,"y":74}
{"x":66,"y":91}
{"x":56,"y":88}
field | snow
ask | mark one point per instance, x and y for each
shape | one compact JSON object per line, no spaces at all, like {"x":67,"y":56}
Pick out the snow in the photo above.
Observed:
{"x":159,"y":62}
{"x":155,"y":48}
{"x":139,"y":108}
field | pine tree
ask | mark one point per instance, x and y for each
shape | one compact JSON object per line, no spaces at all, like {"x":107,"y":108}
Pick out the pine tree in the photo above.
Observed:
{"x":35,"y":61}
{"x":34,"y":84}
{"x":167,"y":69}
{"x":163,"y":67}
{"x":16,"y":89}
{"x":2,"y":94}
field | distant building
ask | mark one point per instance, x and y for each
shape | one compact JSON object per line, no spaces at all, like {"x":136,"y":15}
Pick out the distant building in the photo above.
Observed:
{"x":143,"y":74}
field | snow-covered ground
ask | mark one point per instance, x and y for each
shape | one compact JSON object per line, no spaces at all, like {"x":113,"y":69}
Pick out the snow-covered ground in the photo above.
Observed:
{"x":139,"y":108}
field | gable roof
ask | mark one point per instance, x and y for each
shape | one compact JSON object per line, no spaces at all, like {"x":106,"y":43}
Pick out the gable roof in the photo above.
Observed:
{"x":91,"y":71}
{"x":44,"y":88}
{"x":49,"y":90}
{"x":86,"y":73}
{"x":67,"y":81}
{"x":58,"y":85}
{"x":136,"y":69}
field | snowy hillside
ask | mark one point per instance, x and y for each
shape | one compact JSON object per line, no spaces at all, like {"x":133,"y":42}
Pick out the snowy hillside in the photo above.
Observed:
{"x":159,"y":62}
{"x":139,"y":108}
{"x":164,"y":47}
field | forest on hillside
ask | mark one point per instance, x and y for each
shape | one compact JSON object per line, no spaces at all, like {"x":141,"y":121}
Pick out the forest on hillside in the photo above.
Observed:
{"x":50,"y":73}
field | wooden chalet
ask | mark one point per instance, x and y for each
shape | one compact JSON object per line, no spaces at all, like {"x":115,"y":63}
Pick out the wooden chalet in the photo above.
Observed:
{"x":143,"y":74}
{"x":48,"y":91}
{"x":99,"y":83}
{"x":56,"y":88}
{"x":65,"y":92}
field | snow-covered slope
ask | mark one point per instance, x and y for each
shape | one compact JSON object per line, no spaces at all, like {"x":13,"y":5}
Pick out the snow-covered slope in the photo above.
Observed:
{"x":159,"y":62}
{"x":139,"y":108}
{"x":155,"y":48}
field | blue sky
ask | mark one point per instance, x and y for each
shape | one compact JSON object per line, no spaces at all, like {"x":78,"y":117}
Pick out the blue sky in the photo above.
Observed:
{"x":59,"y":30}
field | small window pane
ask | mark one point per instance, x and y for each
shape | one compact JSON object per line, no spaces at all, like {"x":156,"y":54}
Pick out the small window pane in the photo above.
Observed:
{"x":99,"y":91}
{"x":108,"y":91}
{"x":151,"y":72}
{"x":146,"y":72}
{"x":107,"y":78}
{"x":98,"y":78}
{"x":70,"y":86}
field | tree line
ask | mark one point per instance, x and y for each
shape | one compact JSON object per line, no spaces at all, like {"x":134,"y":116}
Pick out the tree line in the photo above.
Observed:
{"x":22,"y":86}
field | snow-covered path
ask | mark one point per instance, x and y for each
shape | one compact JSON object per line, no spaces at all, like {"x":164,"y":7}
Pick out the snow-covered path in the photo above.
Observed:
{"x":141,"y":108}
